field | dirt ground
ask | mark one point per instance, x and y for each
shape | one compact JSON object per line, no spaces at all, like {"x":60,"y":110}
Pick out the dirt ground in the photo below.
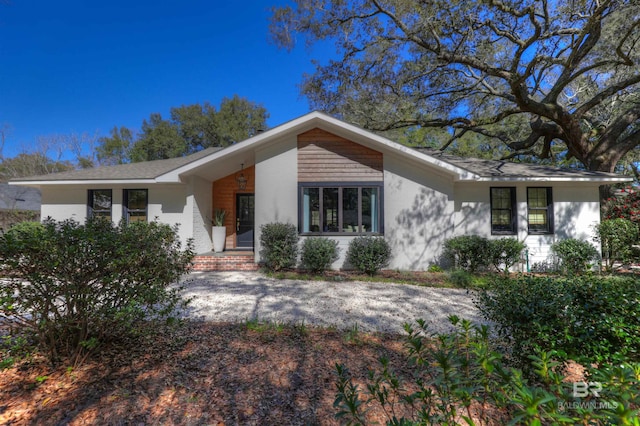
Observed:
{"x":203,"y":373}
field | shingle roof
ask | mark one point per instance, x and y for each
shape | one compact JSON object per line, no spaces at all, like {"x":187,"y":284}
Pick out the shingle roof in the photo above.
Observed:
{"x":143,"y":170}
{"x":508,"y":169}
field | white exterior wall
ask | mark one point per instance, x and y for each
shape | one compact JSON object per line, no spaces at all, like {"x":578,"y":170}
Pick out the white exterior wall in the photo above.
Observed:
{"x":64,"y":202}
{"x":199,"y":203}
{"x":276,"y":198}
{"x":418,"y":213}
{"x":576,"y":209}
{"x":168,"y":204}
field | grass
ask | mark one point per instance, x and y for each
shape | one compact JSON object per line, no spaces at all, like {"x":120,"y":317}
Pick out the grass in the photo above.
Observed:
{"x":452,"y":279}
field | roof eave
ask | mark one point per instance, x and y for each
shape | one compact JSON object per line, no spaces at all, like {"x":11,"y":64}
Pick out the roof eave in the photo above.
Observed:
{"x":591,"y":179}
{"x":330,"y":124}
{"x":83,"y":182}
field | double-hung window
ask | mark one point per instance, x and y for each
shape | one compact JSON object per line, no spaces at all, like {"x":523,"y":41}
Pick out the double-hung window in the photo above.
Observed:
{"x":99,"y":203}
{"x":540,"y":210}
{"x":503,"y":210}
{"x":134,"y":205}
{"x":340,"y":209}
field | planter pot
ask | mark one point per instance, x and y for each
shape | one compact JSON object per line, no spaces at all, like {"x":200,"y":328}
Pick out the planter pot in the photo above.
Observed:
{"x":218,"y":235}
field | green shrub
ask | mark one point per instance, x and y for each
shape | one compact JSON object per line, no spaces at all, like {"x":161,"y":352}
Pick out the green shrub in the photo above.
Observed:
{"x":435,"y":268}
{"x":460,"y":278}
{"x":459,"y":378}
{"x":575,"y":256}
{"x":75,"y":285}
{"x":318,"y":254}
{"x":505,"y":252}
{"x":369,"y":254}
{"x":468,"y":252}
{"x":587,"y":318}
{"x":616,"y":237}
{"x":279,"y":245}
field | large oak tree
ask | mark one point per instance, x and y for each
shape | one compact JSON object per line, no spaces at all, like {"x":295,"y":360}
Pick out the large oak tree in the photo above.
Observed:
{"x":541,"y":76}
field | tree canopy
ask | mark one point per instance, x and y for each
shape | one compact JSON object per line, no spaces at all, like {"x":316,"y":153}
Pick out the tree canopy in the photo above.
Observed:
{"x":542,"y":78}
{"x":189,"y":129}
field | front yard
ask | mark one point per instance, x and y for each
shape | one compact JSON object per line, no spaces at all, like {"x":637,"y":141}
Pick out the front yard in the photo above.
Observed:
{"x":198,"y":373}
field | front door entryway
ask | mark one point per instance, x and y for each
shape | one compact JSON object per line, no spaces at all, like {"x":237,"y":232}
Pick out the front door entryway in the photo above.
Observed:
{"x":244,"y":221}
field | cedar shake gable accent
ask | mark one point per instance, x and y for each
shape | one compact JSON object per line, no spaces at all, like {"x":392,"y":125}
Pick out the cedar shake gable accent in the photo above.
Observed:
{"x":325,"y":157}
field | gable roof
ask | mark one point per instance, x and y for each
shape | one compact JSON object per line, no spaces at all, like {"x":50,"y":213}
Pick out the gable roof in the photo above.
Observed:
{"x":226,"y":161}
{"x":509,"y":170}
{"x":143,"y":171}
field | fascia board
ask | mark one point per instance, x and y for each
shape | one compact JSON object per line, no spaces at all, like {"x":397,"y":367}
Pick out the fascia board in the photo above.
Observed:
{"x":84,"y":182}
{"x":556,"y":179}
{"x":365,"y":138}
{"x":298,"y":125}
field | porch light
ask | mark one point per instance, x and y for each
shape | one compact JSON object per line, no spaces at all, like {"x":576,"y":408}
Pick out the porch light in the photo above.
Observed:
{"x":241,"y":179}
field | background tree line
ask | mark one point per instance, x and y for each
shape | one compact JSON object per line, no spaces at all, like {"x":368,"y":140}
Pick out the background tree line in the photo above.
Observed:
{"x":189,"y":129}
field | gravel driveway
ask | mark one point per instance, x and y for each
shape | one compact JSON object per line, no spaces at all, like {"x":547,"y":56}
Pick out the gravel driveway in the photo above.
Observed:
{"x":239,"y":296}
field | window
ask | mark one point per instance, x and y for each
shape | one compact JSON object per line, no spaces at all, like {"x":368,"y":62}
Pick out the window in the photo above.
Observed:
{"x":99,"y":204}
{"x":349,"y":209}
{"x":134,"y":204}
{"x":503,"y":210}
{"x":540,"y":210}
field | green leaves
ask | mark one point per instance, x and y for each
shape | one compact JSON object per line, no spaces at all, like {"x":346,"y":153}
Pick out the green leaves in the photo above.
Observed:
{"x":556,"y":82}
{"x":589,"y":318}
{"x":461,"y":377}
{"x":368,"y":254}
{"x":75,"y":285}
{"x":190,"y":129}
{"x":279,"y":245}
{"x":318,"y":254}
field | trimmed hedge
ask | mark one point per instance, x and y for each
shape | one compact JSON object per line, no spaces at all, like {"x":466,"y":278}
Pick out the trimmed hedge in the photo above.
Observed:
{"x":279,"y":245}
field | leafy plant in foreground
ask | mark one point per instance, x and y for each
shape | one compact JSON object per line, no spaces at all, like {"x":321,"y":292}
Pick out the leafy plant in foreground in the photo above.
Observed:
{"x":75,"y":285}
{"x":587,"y":318}
{"x":459,"y":379}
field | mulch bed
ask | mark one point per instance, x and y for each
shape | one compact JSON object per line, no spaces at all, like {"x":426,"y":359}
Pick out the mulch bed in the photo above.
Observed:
{"x":200,"y":373}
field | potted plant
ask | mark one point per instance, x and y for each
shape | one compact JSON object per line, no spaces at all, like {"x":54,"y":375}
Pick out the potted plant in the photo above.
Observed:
{"x":218,"y":231}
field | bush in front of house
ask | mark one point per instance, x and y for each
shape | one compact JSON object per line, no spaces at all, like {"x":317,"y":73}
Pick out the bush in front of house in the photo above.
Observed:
{"x":369,"y":254}
{"x":505,"y":252}
{"x":318,"y":254}
{"x":459,"y":378}
{"x":575,"y":256}
{"x":586,"y":318}
{"x":75,"y":285}
{"x":279,"y":246}
{"x":617,"y":236}
{"x":468,"y":252}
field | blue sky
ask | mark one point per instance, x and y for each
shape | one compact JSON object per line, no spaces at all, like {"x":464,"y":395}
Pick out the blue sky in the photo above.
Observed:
{"x":85,"y":66}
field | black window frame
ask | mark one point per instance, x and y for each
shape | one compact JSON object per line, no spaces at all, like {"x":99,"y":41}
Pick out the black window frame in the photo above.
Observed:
{"x":548,"y":208}
{"x":91,"y":210}
{"x":126,"y":211}
{"x":341,"y":185}
{"x":513,"y":228}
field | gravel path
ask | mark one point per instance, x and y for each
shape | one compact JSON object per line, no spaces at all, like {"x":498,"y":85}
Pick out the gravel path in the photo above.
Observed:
{"x":239,"y":296}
